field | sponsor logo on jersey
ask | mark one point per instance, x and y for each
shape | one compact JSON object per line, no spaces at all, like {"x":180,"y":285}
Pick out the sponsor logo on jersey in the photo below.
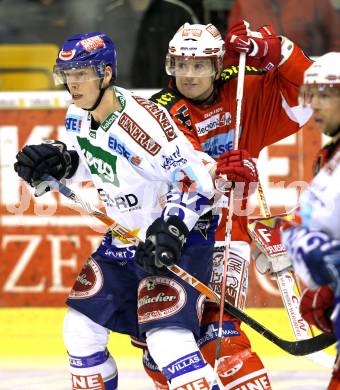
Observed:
{"x":185,"y":364}
{"x":159,"y":297}
{"x":88,"y":282}
{"x":209,"y":332}
{"x":108,"y":122}
{"x":149,"y":362}
{"x":232,"y":72}
{"x":87,"y":382}
{"x":174,"y":160}
{"x":184,"y":117}
{"x":200,"y":384}
{"x":229,"y":366}
{"x":119,"y":254}
{"x":219,"y":144}
{"x":160,"y":115}
{"x":75,"y":362}
{"x":127,"y":202}
{"x":187,"y":181}
{"x":165,"y":98}
{"x":138,"y":134}
{"x":203,"y":224}
{"x":260,"y":382}
{"x":93,"y":133}
{"x":119,"y":147}
{"x":100,"y":162}
{"x":73,"y":123}
{"x":213,"y":112}
{"x":89,"y":361}
{"x":212,"y":123}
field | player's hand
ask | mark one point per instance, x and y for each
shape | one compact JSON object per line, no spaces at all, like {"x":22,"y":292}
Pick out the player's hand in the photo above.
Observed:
{"x":50,"y":158}
{"x":162,"y":246}
{"x":263,"y":47}
{"x":316,"y":307}
{"x":238,"y":167}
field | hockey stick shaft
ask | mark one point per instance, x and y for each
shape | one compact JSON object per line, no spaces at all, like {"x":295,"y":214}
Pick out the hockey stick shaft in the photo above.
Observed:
{"x":290,"y":292}
{"x":288,"y":285}
{"x":297,"y":348}
{"x":229,"y":224}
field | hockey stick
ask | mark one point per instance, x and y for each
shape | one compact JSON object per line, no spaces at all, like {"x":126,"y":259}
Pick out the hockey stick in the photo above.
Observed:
{"x":289,"y":290}
{"x":297,"y":348}
{"x":229,"y":224}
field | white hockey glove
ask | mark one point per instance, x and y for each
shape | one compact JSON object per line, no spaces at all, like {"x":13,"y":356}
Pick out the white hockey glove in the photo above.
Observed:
{"x":270,"y":254}
{"x":270,"y":264}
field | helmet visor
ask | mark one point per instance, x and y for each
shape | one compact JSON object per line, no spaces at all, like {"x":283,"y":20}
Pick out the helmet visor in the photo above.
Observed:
{"x":323,"y":92}
{"x":79,"y":72}
{"x":189,"y":66}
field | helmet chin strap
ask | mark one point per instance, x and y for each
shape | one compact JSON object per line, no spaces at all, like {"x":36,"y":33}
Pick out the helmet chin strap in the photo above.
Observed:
{"x":336,"y":134}
{"x":99,"y":98}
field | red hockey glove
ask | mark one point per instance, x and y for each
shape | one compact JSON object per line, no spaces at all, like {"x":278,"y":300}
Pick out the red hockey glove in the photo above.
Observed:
{"x":263,"y":47}
{"x":238,"y":167}
{"x":316,"y":307}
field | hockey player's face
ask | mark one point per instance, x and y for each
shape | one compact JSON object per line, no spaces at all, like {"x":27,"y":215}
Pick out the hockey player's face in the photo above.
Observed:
{"x":195,"y":88}
{"x":326,"y":107}
{"x":83,"y":85}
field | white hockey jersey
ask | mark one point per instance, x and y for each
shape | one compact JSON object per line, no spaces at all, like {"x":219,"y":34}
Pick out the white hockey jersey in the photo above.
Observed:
{"x":320,"y":202}
{"x":140,"y":163}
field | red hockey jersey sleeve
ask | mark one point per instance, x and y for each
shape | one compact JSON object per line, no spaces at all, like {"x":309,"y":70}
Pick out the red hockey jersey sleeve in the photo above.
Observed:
{"x":270,"y":109}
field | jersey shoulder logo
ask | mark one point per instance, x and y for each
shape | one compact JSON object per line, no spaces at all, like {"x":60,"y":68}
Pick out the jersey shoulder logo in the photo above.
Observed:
{"x":166,"y":97}
{"x":231,"y":72}
{"x":73,"y":123}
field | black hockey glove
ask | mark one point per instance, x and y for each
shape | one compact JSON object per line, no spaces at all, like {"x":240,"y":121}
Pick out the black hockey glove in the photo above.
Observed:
{"x":51,"y":158}
{"x":163,"y":244}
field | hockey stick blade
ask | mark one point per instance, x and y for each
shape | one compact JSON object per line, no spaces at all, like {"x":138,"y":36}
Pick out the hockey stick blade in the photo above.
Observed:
{"x":297,"y":348}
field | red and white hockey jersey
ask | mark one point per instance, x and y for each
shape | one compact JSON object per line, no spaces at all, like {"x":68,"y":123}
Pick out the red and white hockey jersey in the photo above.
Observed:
{"x":270,"y":112}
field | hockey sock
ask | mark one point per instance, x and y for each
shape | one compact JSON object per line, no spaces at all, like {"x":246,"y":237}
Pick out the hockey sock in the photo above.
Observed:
{"x":153,"y":372}
{"x":91,"y":365}
{"x":182,"y":364}
{"x":95,"y":372}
